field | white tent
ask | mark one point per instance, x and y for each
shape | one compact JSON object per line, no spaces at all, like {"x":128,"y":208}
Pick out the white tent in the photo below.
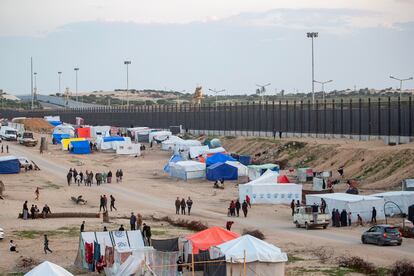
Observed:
{"x":265,"y":190}
{"x":64,"y":129}
{"x":356,"y":204}
{"x":215,"y":150}
{"x":49,"y":269}
{"x":403,"y":199}
{"x":159,"y":135}
{"x":188,"y":170}
{"x":196,"y":151}
{"x":185,"y":145}
{"x":242,"y":170}
{"x":169,"y":144}
{"x":261,"y":258}
{"x":128,"y":149}
{"x":100,"y":131}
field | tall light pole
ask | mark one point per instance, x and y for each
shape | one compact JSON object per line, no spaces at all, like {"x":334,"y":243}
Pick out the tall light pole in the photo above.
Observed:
{"x":35,"y":86}
{"x":401,"y":81}
{"x":127,"y":62}
{"x":31,"y":81}
{"x":262,"y":89}
{"x":313,"y":35}
{"x":59,"y":73}
{"x":323,"y":86}
{"x":76,"y":76}
{"x":215,"y":91}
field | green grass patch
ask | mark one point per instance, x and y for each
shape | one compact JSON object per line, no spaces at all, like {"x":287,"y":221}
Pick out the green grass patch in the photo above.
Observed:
{"x":292,"y":258}
{"x":51,"y":185}
{"x":158,"y":232}
{"x":33,"y":234}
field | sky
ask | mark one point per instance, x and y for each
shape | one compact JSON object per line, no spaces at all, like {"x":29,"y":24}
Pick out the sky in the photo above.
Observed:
{"x":218,"y":44}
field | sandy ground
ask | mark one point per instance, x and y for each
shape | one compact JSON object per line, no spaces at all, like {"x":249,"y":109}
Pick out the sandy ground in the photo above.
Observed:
{"x":147,"y":190}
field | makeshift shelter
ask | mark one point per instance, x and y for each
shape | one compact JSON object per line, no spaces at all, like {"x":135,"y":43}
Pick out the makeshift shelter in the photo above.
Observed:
{"x":79,"y":147}
{"x":265,"y":190}
{"x":205,"y":239}
{"x":9,"y":164}
{"x":218,"y":158}
{"x":408,"y":185}
{"x":169,"y":144}
{"x":304,"y":174}
{"x":185,"y":145}
{"x":356,"y":204}
{"x":66,"y":141}
{"x":282,"y":179}
{"x":63,"y":131}
{"x":53,"y":120}
{"x":255,"y":171}
{"x":128,"y":149}
{"x":100,"y":131}
{"x":109,"y":143}
{"x":245,"y":159}
{"x":211,"y":152}
{"x":197,"y":151}
{"x":403,"y":199}
{"x":188,"y":170}
{"x":173,"y":159}
{"x":83,"y":132}
{"x":261,"y":258}
{"x":159,"y":136}
{"x":221,"y":171}
{"x":241,"y":169}
{"x":49,"y":269}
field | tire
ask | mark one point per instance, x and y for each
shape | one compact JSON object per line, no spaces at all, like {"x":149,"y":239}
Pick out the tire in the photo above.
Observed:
{"x":325,"y":226}
{"x":297,"y":224}
{"x":307,"y":226}
{"x":380,"y":243}
{"x":399,"y":244}
{"x":363,"y":240}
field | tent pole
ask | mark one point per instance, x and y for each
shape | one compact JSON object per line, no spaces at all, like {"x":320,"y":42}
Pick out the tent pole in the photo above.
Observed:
{"x":244,"y":263}
{"x":192,"y":264}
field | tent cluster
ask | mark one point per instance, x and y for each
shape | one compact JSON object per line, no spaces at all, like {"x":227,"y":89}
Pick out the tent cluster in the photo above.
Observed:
{"x":12,"y":164}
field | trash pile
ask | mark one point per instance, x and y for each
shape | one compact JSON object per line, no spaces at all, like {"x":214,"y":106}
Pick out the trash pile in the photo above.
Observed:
{"x":36,"y":125}
{"x":25,"y":264}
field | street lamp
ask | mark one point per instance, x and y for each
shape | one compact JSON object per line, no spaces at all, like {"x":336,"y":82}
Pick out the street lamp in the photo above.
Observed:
{"x":313,"y":35}
{"x":401,"y":81}
{"x":127,"y":62}
{"x":35,"y":86}
{"x":323,"y":86}
{"x":76,"y":76}
{"x":262,"y":89}
{"x":59,"y":73}
{"x":215,"y":91}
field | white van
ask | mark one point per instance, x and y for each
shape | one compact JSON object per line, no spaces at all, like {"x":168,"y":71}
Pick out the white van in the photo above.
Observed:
{"x":8,"y":133}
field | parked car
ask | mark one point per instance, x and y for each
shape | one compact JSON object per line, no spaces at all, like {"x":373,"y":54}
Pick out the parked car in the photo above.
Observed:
{"x":382,"y":235}
{"x":304,"y":217}
{"x":1,"y":234}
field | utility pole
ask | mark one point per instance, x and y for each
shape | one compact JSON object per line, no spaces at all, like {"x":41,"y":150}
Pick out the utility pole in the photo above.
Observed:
{"x":127,"y":62}
{"x":313,"y":35}
{"x":215,"y":91}
{"x":76,"y":76}
{"x":31,"y":80}
{"x":59,"y":73}
{"x":401,"y":82}
{"x":323,"y":86}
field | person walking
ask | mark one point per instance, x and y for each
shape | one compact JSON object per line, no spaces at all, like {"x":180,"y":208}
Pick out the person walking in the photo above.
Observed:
{"x":82,"y":227}
{"x":333,"y":217}
{"x":132,"y":221}
{"x":177,"y":206}
{"x":248,"y":201}
{"x":106,"y":203}
{"x":323,"y":206}
{"x":7,"y":148}
{"x":25,"y":212}
{"x":183,"y":205}
{"x":229,"y":224}
{"x":244,"y":208}
{"x":46,"y":245}
{"x":32,"y":211}
{"x":109,"y":177}
{"x":117,"y":176}
{"x":78,"y":179}
{"x":139,"y":222}
{"x":69,"y":177}
{"x":359,"y":220}
{"x":374,"y":215}
{"x":238,"y":207}
{"x":292,"y":206}
{"x":121,"y":174}
{"x":147,"y":234}
{"x":101,"y":203}
{"x":349,"y":218}
{"x":232,"y":208}
{"x":37,"y":192}
{"x":112,"y":202}
{"x":189,"y":205}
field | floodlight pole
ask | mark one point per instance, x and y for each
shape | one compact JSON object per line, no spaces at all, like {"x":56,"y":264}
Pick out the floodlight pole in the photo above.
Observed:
{"x":313,"y":35}
{"x":401,"y":82}
{"x":76,"y":76}
{"x":31,"y":81}
{"x":127,"y":62}
{"x":59,"y":73}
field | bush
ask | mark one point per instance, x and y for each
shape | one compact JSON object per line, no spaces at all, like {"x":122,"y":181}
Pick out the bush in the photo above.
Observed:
{"x":255,"y":233}
{"x":402,"y":268}
{"x":357,"y":264}
{"x":193,"y":225}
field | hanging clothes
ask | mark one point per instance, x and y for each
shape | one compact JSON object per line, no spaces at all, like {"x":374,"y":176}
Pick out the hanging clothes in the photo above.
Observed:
{"x":96,"y":251}
{"x":89,"y":252}
{"x":109,"y":256}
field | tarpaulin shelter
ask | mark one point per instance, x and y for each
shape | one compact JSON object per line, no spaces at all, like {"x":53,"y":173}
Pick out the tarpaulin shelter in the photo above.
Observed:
{"x":261,"y":258}
{"x":403,"y":199}
{"x":63,"y":131}
{"x":265,"y":190}
{"x":53,"y":120}
{"x":211,"y":152}
{"x":241,"y":169}
{"x":304,"y":174}
{"x":100,"y":131}
{"x":169,"y":144}
{"x":197,"y":151}
{"x":173,"y":159}
{"x":84,"y":132}
{"x":245,"y":159}
{"x":79,"y":147}
{"x":9,"y":164}
{"x":188,"y":170}
{"x":49,"y":269}
{"x":356,"y":204}
{"x":255,"y":171}
{"x":185,"y":145}
{"x":221,"y":171}
{"x":282,"y":179}
{"x":66,"y":141}
{"x":159,"y":136}
{"x":205,"y":239}
{"x":125,"y":148}
{"x":219,"y":157}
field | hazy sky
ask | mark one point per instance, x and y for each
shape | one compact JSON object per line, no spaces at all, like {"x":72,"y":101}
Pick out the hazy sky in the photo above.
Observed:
{"x":231,"y":44}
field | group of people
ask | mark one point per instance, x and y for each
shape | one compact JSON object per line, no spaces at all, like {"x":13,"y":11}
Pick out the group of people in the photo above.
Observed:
{"x":103,"y":203}
{"x":235,"y":206}
{"x":341,"y":219}
{"x":13,"y":246}
{"x":34,"y":210}
{"x":7,"y":149}
{"x":182,"y":205}
{"x":88,"y":177}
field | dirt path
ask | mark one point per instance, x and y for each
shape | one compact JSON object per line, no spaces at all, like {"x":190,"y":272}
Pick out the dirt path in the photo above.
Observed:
{"x":156,"y":195}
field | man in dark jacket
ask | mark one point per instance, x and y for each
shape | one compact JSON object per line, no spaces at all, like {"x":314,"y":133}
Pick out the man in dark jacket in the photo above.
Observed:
{"x":343,"y":218}
{"x":146,"y":230}
{"x":292,"y":206}
{"x":33,"y":211}
{"x":183,"y":205}
{"x":132,"y":221}
{"x":112,"y":202}
{"x":82,"y":227}
{"x":374,"y":215}
{"x":244,"y":208}
{"x":102,"y":203}
{"x":177,"y":206}
{"x":189,"y":205}
{"x":46,"y":245}
{"x":238,"y":206}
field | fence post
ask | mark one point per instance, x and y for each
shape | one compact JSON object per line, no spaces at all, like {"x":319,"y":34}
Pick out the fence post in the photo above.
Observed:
{"x":360,"y":118}
{"x":379,"y":117}
{"x":351,"y":122}
{"x":342,"y":117}
{"x":399,"y":118}
{"x":333,"y":117}
{"x":369,"y":118}
{"x":324,"y":118}
{"x":294,"y":117}
{"x":389,"y":116}
{"x":309,"y":117}
{"x":410,"y":127}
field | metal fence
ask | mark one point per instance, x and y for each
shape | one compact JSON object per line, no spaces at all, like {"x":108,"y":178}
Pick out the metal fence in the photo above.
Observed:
{"x":361,"y":117}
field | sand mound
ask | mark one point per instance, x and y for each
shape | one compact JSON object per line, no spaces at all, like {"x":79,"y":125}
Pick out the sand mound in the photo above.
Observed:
{"x":36,"y":125}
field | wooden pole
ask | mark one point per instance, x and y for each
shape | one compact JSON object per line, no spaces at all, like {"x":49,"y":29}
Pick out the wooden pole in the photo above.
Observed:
{"x":192,"y":264}
{"x":244,"y":263}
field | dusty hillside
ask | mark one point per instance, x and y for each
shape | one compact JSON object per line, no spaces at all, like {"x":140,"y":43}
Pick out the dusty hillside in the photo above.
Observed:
{"x":376,"y":165}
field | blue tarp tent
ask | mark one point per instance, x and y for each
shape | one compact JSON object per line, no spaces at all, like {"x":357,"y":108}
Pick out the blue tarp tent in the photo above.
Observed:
{"x":221,"y":170}
{"x":218,"y":157}
{"x":58,"y":137}
{"x":9,"y":164}
{"x":113,"y":138}
{"x":55,"y":123}
{"x":173,"y":159}
{"x":245,"y":160}
{"x":79,"y":147}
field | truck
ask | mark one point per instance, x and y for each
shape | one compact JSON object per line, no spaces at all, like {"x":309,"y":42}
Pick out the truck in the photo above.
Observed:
{"x":8,"y":133}
{"x":305,"y":217}
{"x":27,"y":139}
